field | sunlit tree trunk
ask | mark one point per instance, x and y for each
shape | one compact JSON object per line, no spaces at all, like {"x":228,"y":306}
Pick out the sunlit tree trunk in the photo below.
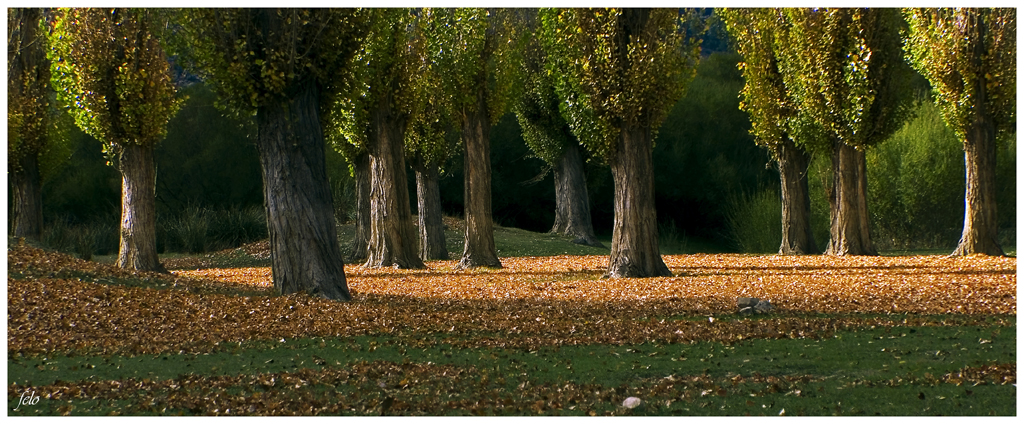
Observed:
{"x":428,"y":207}
{"x":635,"y":252}
{"x":138,"y":208}
{"x":980,"y":224}
{"x":797,"y":237}
{"x":849,"y":234}
{"x":479,"y":247}
{"x":304,"y":251}
{"x":392,"y":239}
{"x":572,"y":205}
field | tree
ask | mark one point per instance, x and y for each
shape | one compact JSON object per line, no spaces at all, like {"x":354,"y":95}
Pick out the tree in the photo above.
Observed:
{"x":112,"y":75}
{"x":618,"y":72}
{"x":282,"y":64}
{"x":845,"y":70}
{"x":551,"y":139}
{"x":37,"y":139}
{"x":771,"y":108}
{"x":969,"y":56}
{"x":475,"y":51}
{"x":375,"y":112}
{"x":431,"y":140}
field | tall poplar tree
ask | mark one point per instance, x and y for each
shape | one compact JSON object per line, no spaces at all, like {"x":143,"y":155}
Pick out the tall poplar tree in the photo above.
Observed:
{"x":618,"y":71}
{"x":112,"y":75}
{"x":970,"y":57}
{"x":550,"y":138}
{"x":432,"y":139}
{"x":476,"y":52}
{"x":375,"y":112}
{"x":37,"y":140}
{"x":282,"y":64}
{"x":845,"y":70}
{"x":771,"y":110}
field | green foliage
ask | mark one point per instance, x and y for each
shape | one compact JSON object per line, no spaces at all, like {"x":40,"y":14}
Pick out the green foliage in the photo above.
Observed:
{"x":916,"y":193}
{"x":764,"y":94}
{"x":916,"y":190}
{"x":845,"y":70}
{"x":754,"y":221}
{"x":254,"y":56}
{"x":616,"y":68}
{"x":477,"y":54}
{"x":705,"y":153}
{"x":544,"y":129}
{"x":111,"y":74}
{"x":942,"y":44}
{"x":380,"y":78}
{"x":35,"y":127}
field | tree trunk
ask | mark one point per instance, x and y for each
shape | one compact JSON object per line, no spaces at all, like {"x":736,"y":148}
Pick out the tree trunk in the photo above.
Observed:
{"x":479,"y":247}
{"x":980,"y":224}
{"x":635,"y":252}
{"x":27,"y":209}
{"x":392,"y":239}
{"x":981,"y":229}
{"x":428,"y":207}
{"x":797,"y":237}
{"x":849,"y":233}
{"x":361,"y":239}
{"x":572,"y":204}
{"x":304,"y":251}
{"x":138,"y":209}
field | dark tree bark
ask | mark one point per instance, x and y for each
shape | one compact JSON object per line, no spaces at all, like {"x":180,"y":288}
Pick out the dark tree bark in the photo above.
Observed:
{"x":392,"y":239}
{"x":428,"y":209}
{"x":28,"y":76}
{"x":797,"y":237}
{"x":572,"y":204}
{"x":635,"y":252}
{"x":26,"y":190}
{"x":479,"y":247}
{"x":980,"y":224}
{"x":361,"y":239}
{"x":138,"y":208}
{"x":304,"y":251}
{"x":849,"y":233}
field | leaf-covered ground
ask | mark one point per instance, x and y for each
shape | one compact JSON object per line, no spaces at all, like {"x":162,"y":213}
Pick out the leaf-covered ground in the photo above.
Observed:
{"x":97,"y":340}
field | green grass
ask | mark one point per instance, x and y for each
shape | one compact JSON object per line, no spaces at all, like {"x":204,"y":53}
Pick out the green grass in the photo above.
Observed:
{"x":891,"y":371}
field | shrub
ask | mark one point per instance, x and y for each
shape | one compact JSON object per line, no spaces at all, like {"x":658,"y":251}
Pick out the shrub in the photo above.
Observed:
{"x":188,"y":233}
{"x":755,"y":221}
{"x":237,"y":226}
{"x":916,"y":185}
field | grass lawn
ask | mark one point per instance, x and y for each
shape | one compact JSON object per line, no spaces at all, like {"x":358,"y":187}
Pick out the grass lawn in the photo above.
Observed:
{"x":545,"y":335}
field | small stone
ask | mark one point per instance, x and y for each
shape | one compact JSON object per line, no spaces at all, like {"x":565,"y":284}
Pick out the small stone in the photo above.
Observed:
{"x":745,"y":302}
{"x":763,"y":307}
{"x":746,"y":311}
{"x":631,"y":402}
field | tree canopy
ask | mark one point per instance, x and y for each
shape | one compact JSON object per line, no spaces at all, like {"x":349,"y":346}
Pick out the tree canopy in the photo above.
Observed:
{"x":112,"y":75}
{"x":618,"y":67}
{"x":941,"y":43}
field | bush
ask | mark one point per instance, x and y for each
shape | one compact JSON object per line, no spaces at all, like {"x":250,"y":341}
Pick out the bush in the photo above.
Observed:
{"x":188,"y":233}
{"x":916,"y":185}
{"x":200,"y":230}
{"x":82,"y":239}
{"x":755,"y":221}
{"x":237,"y":226}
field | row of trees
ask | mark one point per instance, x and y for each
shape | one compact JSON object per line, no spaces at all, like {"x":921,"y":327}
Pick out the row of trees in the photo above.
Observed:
{"x":387,"y":86}
{"x":835,"y":80}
